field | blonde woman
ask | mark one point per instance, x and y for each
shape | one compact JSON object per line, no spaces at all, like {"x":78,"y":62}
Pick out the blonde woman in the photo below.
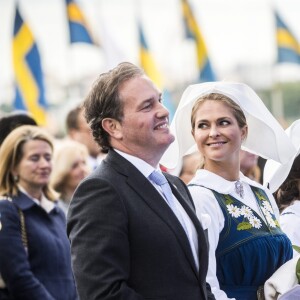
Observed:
{"x":43,"y":269}
{"x":70,"y":166}
{"x":246,"y":244}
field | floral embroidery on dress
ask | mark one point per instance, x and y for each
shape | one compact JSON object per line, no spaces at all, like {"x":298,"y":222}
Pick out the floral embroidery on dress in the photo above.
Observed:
{"x":255,"y":222}
{"x":249,"y":219}
{"x":267,"y":210}
{"x":233,"y":210}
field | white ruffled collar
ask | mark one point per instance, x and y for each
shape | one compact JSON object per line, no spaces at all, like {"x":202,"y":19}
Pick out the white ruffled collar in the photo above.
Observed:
{"x":219,"y":184}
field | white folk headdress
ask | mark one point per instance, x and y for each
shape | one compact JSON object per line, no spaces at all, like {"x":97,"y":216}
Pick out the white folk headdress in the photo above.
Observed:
{"x":275,"y":173}
{"x":266,"y":137}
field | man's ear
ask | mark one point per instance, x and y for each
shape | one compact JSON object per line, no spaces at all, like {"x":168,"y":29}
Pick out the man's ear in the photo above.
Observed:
{"x":112,"y":127}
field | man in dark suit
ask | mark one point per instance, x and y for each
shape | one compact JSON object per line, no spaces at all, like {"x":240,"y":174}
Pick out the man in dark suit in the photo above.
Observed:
{"x":129,"y":239}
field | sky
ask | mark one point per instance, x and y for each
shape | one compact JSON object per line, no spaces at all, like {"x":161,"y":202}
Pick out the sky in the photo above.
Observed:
{"x":238,"y":33}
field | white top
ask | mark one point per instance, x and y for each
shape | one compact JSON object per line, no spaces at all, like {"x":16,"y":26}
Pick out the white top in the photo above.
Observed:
{"x":146,"y":170}
{"x":206,"y":203}
{"x":46,"y":204}
{"x":290,"y":222}
{"x":283,"y":283}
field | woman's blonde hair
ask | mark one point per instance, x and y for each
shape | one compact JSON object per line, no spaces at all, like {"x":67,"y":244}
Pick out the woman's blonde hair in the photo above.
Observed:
{"x":63,"y":159}
{"x":11,"y":153}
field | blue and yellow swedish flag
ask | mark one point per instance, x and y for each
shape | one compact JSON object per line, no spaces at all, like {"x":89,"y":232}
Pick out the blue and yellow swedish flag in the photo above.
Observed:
{"x":79,"y":32}
{"x":30,"y":92}
{"x":288,"y":48}
{"x":150,"y":68}
{"x":192,"y":31}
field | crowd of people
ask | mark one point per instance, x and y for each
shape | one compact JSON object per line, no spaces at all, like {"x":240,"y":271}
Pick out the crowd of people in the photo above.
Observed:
{"x":101,"y":214}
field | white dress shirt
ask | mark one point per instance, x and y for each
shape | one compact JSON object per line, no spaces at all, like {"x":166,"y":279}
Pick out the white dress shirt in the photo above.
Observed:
{"x":46,"y":204}
{"x":146,"y":170}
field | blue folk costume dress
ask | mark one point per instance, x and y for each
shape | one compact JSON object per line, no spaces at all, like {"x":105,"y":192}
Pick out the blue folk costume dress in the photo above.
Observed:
{"x":246,"y":243}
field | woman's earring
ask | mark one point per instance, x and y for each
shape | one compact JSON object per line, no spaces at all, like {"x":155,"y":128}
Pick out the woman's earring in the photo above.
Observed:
{"x":16,"y":178}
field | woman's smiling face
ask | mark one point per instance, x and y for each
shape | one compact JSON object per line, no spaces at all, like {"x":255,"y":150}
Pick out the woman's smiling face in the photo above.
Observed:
{"x":216,"y":132}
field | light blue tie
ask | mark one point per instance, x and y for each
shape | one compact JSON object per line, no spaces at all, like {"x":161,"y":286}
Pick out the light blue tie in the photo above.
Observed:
{"x":161,"y":180}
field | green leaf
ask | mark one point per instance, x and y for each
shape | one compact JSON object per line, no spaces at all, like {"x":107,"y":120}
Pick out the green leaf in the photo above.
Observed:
{"x":296,"y":248}
{"x":298,"y":270}
{"x":228,"y":200}
{"x":244,"y":226}
{"x":260,"y":196}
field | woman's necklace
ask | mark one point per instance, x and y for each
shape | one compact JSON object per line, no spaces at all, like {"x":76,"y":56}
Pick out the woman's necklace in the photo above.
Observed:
{"x":239,"y":189}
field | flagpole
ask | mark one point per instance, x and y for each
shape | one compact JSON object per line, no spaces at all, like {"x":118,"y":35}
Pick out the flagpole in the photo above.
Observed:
{"x":276,"y":91}
{"x":277,"y":101}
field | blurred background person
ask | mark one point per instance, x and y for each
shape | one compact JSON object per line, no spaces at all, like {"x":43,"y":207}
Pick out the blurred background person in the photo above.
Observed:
{"x":79,"y":130}
{"x":284,"y":181}
{"x":13,"y":120}
{"x":190,"y":164}
{"x":44,"y":270}
{"x":70,"y":166}
{"x":249,"y":166}
{"x":288,"y":198}
{"x":261,"y":164}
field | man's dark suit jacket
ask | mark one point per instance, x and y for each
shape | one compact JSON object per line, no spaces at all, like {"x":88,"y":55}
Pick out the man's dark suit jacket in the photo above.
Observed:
{"x":127,"y":244}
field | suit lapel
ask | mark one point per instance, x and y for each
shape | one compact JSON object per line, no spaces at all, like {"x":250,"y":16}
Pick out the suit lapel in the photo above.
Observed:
{"x":202,"y":240}
{"x":155,"y":201}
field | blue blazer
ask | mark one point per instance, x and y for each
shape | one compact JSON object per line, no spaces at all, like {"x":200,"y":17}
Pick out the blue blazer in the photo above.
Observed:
{"x":45,"y":272}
